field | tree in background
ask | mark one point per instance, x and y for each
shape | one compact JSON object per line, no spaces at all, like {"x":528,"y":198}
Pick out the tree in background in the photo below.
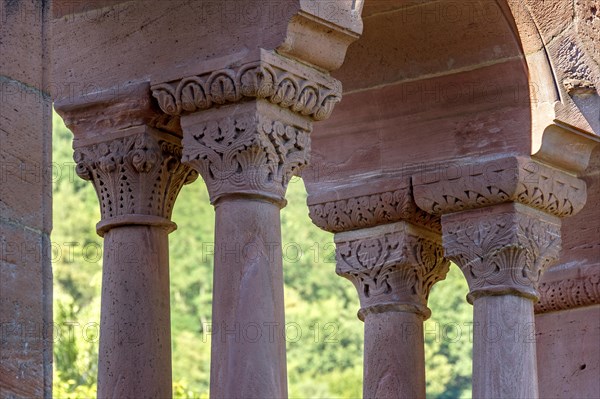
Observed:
{"x":324,"y":336}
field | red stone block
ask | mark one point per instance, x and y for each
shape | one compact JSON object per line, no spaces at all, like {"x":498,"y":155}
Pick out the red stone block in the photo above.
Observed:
{"x":25,"y":159}
{"x":22,"y":47}
{"x":25,"y":313}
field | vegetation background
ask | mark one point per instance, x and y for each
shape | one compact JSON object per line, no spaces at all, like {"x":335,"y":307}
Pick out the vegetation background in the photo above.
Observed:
{"x":324,"y":340}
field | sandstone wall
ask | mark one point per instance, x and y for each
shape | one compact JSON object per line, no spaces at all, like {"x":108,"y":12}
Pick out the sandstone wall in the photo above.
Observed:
{"x":25,"y":201}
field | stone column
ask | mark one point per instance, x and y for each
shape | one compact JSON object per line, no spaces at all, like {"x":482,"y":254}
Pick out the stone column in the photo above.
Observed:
{"x":137,"y":174}
{"x":502,"y":252}
{"x":501,"y":226}
{"x":247,"y":132}
{"x":393,"y":265}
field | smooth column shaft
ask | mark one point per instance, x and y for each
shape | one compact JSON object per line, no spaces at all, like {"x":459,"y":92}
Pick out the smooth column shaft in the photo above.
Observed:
{"x":394,"y":358}
{"x":135,"y":337}
{"x":248,"y":342}
{"x":504,"y":354}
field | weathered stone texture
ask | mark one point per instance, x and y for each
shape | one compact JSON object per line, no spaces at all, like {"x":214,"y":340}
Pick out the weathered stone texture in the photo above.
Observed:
{"x":180,"y":38}
{"x":416,"y":123}
{"x":414,"y":40}
{"x":25,"y":166}
{"x":552,"y":16}
{"x":568,"y":353}
{"x":25,"y":202}
{"x":575,"y":280}
{"x":581,"y":233}
{"x":21,"y":44}
{"x":25,"y":313}
{"x":587,"y":14}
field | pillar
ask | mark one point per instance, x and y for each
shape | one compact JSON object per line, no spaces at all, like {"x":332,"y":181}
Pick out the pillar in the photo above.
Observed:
{"x":392,"y":253}
{"x":137,"y":173}
{"x":502,"y":251}
{"x":247,"y":132}
{"x":501,"y":226}
{"x":393,"y":268}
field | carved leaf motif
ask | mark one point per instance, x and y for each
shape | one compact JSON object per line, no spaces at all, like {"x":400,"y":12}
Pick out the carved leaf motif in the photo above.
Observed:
{"x":309,"y":98}
{"x":248,"y":153}
{"x":193,"y":95}
{"x":504,"y":250}
{"x":393,"y":267}
{"x":166,"y":99}
{"x":369,"y":252}
{"x":82,"y":169}
{"x":144,"y":156}
{"x":137,"y":174}
{"x":223,"y":89}
{"x":286,"y":92}
{"x":258,"y":82}
{"x":326,"y":108}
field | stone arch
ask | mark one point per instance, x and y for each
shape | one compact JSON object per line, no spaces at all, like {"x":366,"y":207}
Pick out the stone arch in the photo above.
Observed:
{"x":557,"y":42}
{"x":473,"y":78}
{"x":427,"y":81}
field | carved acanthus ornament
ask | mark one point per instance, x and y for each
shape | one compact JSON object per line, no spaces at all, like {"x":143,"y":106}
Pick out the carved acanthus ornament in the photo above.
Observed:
{"x":137,"y":175}
{"x":514,"y":179}
{"x":393,"y":267}
{"x":387,"y":247}
{"x":503,"y":250}
{"x":251,"y":153}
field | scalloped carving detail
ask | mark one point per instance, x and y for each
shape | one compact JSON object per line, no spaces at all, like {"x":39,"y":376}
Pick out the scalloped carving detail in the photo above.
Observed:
{"x":255,"y":80}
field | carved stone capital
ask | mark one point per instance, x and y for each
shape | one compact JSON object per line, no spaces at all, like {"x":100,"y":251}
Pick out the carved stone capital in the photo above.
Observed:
{"x":278,"y":80}
{"x":392,"y":266}
{"x":459,"y":187}
{"x":137,"y":174}
{"x":502,"y":249}
{"x":251,"y":149}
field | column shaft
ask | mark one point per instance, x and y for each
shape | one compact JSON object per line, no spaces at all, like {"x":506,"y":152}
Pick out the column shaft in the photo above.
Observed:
{"x":135,"y":334}
{"x":504,"y":356}
{"x":394,"y":359}
{"x":248,"y":343}
{"x":247,"y":154}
